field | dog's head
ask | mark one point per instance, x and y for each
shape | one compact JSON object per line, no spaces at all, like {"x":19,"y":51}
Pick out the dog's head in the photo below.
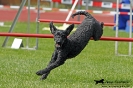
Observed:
{"x":60,"y":36}
{"x":98,"y":31}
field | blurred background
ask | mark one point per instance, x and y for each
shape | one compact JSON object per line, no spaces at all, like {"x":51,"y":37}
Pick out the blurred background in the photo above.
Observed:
{"x":17,"y":2}
{"x":46,"y":4}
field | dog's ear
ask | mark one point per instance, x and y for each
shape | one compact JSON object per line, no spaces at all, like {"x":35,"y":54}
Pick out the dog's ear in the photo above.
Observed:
{"x":69,"y":29}
{"x":52,"y":28}
{"x":98,"y":31}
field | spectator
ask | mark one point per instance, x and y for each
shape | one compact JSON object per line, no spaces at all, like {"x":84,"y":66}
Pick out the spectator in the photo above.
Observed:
{"x":123,"y":18}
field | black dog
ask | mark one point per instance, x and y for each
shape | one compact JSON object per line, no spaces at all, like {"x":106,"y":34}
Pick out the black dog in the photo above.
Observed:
{"x":99,"y":81}
{"x":71,"y":46}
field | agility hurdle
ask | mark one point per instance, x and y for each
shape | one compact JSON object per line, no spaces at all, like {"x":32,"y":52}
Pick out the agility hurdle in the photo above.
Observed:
{"x":106,"y":24}
{"x":122,"y":39}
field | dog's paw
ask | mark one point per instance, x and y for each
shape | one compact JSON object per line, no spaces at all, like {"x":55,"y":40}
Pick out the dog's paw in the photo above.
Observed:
{"x":44,"y":76}
{"x":39,"y":72}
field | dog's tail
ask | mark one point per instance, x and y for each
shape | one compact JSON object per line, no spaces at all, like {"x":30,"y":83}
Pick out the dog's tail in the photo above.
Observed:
{"x":82,"y":13}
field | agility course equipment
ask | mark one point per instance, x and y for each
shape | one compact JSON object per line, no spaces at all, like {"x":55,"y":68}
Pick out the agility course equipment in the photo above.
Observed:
{"x":28,"y":23}
{"x":70,"y":13}
{"x":122,"y":39}
{"x":68,"y":22}
{"x":130,"y":29}
{"x":2,"y":24}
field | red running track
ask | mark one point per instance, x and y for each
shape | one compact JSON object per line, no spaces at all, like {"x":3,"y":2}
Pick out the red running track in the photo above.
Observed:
{"x":9,"y":15}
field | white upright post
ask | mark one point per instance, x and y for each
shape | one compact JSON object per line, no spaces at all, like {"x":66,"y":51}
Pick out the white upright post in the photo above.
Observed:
{"x":117,"y":23}
{"x":28,"y":24}
{"x":87,"y":1}
{"x":37,"y":27}
{"x":130,"y":31}
{"x":70,"y":13}
{"x":131,"y":3}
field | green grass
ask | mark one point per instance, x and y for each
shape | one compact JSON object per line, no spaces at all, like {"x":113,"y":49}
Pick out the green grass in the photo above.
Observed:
{"x":97,"y":61}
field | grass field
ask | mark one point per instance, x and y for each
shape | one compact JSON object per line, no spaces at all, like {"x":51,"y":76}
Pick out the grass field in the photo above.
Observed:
{"x":97,"y":61}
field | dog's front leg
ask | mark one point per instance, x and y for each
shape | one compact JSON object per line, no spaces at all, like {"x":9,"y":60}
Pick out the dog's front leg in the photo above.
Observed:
{"x":59,"y":61}
{"x":50,"y":67}
{"x":53,"y":59}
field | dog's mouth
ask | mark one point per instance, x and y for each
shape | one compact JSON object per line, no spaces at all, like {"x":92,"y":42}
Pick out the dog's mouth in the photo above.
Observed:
{"x":58,"y":45}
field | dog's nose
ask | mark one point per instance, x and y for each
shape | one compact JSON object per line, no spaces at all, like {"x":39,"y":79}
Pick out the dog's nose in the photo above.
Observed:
{"x":58,"y":42}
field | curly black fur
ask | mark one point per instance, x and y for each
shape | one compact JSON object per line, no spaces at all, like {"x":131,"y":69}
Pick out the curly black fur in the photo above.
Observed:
{"x":69,"y":47}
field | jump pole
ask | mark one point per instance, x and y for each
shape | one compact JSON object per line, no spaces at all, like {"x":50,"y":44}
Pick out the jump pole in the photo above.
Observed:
{"x":130,"y":31}
{"x":15,"y":21}
{"x":122,"y":39}
{"x":28,"y":22}
{"x":37,"y":21}
{"x":70,"y":22}
{"x":70,"y":13}
{"x":117,"y":23}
